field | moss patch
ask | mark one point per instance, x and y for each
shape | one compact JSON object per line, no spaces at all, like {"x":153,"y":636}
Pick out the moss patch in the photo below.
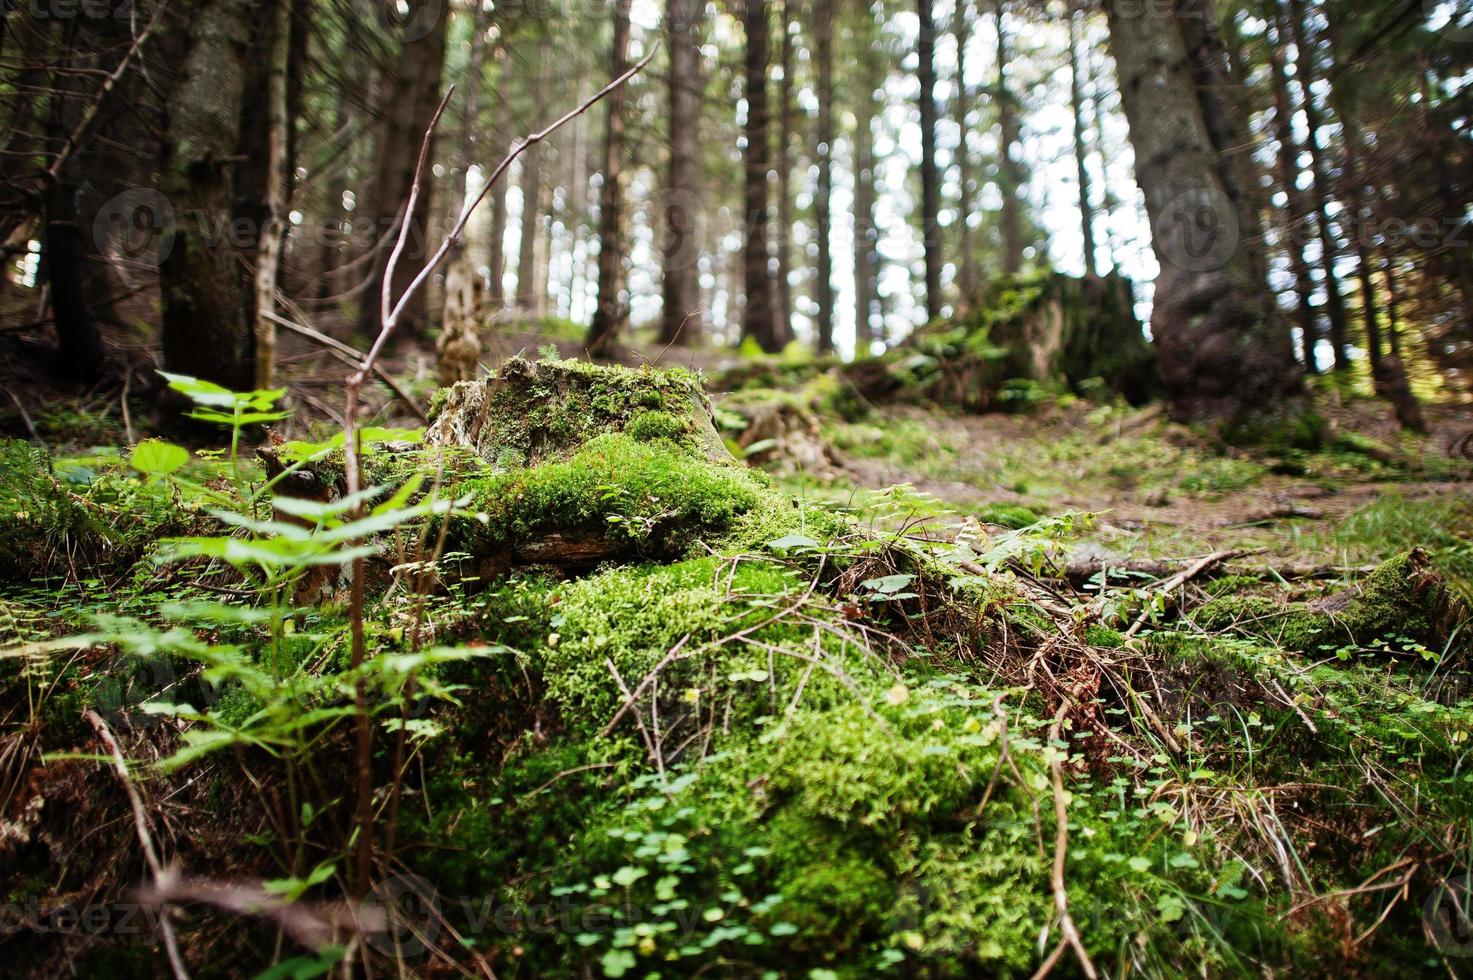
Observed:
{"x":1403,"y":600}
{"x":643,"y":499}
{"x":536,"y":412}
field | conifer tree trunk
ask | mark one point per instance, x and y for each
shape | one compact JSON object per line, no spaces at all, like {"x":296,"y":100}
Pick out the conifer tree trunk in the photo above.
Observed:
{"x":758,"y":320}
{"x":967,"y":271}
{"x":823,"y":45}
{"x":869,"y":326}
{"x":1305,"y":74}
{"x":1296,"y":210}
{"x":1081,"y":152}
{"x":680,"y":321}
{"x":531,"y":187}
{"x":206,"y":328}
{"x":411,"y":95}
{"x":609,"y":313}
{"x":786,"y":162}
{"x":1009,"y":171}
{"x":1223,"y":359}
{"x":496,"y":258}
{"x":930,"y":179}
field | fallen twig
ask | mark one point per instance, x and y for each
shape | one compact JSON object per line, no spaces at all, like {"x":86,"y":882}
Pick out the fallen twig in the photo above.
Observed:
{"x":1170,"y":585}
{"x":1061,"y":850}
{"x":140,"y":823}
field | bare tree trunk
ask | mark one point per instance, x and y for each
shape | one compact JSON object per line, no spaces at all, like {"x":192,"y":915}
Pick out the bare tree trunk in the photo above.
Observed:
{"x":1305,"y":74}
{"x":869,"y":319}
{"x":930,"y":179}
{"x":758,"y":320}
{"x":410,"y":99}
{"x":1009,"y":172}
{"x":680,"y":320}
{"x":1081,"y":152}
{"x":531,"y":185}
{"x":1388,"y":375}
{"x":824,"y":288}
{"x":610,"y":313}
{"x":206,"y":330}
{"x":1221,"y":358}
{"x":1296,"y":210}
{"x":273,"y":232}
{"x":785,"y":162}
{"x":968,"y":274}
{"x":496,"y":259}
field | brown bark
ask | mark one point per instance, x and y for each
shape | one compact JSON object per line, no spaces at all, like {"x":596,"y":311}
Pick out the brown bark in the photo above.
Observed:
{"x":1081,"y":152}
{"x":496,"y":259}
{"x":206,"y":329}
{"x":758,"y":321}
{"x":531,"y":186}
{"x":681,"y":315}
{"x":1221,"y":358}
{"x":785,"y":162}
{"x":967,"y":270}
{"x":411,"y":95}
{"x":930,"y":179}
{"x":1305,"y":73}
{"x":610,"y":312}
{"x":823,"y":44}
{"x":868,"y":325}
{"x":1010,"y":172}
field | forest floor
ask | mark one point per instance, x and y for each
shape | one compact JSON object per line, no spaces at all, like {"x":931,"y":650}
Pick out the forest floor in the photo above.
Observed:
{"x":947,"y":693}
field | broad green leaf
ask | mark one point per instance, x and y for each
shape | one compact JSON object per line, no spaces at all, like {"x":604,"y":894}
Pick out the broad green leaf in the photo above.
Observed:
{"x":157,"y":458}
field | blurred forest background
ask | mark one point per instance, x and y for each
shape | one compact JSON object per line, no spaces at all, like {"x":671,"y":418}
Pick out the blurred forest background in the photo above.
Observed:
{"x":186,"y":180}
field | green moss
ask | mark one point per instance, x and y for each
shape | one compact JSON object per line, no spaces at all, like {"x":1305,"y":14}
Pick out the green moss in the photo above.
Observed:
{"x":1014,"y":516}
{"x":1102,"y":636}
{"x":532,"y":413}
{"x":1229,"y":584}
{"x":634,"y":617}
{"x":76,"y":515}
{"x":651,"y":425}
{"x":647,"y":499}
{"x":1402,"y":600}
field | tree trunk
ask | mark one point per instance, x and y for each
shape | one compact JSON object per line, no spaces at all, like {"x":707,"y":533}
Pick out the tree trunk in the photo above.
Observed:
{"x":273,"y":231}
{"x":867,"y":327}
{"x":206,"y":331}
{"x":758,"y":321}
{"x":1010,"y":174}
{"x":609,"y":313}
{"x":1081,"y":153}
{"x":680,"y":320}
{"x":1388,"y":375}
{"x":1305,"y":74}
{"x":967,"y":270}
{"x":79,"y":343}
{"x":930,"y":179}
{"x":531,"y":186}
{"x":411,"y":96}
{"x":786,"y":162}
{"x":823,"y":44}
{"x":1222,"y":359}
{"x":1296,"y":211}
{"x":501,"y":136}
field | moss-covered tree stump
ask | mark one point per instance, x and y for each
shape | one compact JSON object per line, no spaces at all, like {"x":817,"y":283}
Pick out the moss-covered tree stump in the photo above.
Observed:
{"x":535,"y":412}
